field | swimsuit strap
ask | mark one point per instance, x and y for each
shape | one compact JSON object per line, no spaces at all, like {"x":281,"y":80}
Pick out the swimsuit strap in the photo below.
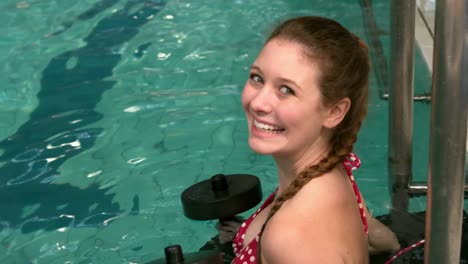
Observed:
{"x":403,"y":251}
{"x":267,"y":202}
{"x":238,"y":241}
{"x":352,"y":162}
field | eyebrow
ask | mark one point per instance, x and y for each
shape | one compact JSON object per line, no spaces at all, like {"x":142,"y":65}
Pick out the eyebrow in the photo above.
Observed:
{"x":254,"y":67}
{"x":284,"y":80}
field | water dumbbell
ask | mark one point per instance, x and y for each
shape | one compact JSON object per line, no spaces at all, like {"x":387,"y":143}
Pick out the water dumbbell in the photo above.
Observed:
{"x":221,"y":197}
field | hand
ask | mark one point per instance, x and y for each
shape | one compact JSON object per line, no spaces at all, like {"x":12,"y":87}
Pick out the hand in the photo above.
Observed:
{"x":228,"y":229}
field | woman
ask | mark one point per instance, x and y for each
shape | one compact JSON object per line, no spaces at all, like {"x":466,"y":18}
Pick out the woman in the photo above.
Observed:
{"x":305,"y":101}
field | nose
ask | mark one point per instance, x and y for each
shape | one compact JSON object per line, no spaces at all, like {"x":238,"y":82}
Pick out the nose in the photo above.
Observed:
{"x":262,"y":101}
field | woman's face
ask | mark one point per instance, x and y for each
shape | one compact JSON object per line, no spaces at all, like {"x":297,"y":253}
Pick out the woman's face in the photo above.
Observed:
{"x":282,"y":101}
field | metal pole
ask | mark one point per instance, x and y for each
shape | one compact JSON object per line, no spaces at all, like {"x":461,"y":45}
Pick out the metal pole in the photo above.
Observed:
{"x":400,"y":132}
{"x":444,"y":216}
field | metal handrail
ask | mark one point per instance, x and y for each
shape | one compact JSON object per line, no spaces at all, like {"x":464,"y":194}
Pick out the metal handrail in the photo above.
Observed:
{"x":401,"y":106}
{"x":446,"y":177}
{"x":445,"y":189}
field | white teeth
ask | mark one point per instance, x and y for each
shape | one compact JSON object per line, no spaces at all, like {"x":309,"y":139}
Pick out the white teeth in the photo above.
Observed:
{"x":263,"y":126}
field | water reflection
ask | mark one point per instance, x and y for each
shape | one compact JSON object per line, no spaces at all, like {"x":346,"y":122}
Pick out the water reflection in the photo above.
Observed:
{"x":60,"y":127}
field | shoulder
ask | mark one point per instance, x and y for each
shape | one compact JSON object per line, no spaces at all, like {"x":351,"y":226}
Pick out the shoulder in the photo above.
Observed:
{"x":314,"y":226}
{"x":291,"y":245}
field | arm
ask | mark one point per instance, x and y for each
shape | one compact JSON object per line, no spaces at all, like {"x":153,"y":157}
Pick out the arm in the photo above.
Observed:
{"x":380,"y":237}
{"x":289,"y":246}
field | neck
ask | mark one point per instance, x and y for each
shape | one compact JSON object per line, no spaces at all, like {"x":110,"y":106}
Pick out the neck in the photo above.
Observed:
{"x":290,"y":165}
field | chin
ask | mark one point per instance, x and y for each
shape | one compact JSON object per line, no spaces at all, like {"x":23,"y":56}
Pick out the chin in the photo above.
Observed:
{"x":259,"y":148}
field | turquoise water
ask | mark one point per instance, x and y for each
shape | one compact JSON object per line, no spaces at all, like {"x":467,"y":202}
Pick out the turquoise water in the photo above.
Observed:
{"x":110,"y":109}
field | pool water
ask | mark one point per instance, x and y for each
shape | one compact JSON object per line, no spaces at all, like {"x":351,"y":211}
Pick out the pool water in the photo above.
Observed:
{"x":110,"y":109}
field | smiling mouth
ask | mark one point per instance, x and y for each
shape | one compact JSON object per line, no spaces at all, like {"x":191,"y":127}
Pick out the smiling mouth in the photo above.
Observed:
{"x":268,"y":128}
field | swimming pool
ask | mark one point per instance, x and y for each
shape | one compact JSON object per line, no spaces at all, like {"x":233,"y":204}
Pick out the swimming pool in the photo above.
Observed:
{"x":110,"y":109}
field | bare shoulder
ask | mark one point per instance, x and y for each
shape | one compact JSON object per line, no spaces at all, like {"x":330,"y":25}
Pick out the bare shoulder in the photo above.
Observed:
{"x":327,"y":194}
{"x":320,"y":224}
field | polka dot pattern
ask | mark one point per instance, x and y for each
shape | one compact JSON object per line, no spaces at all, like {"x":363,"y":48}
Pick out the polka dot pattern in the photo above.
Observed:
{"x":247,"y":254}
{"x":403,"y":251}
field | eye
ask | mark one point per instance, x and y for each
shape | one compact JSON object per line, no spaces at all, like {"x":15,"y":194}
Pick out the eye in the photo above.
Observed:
{"x":286,"y":90}
{"x":256,"y":78}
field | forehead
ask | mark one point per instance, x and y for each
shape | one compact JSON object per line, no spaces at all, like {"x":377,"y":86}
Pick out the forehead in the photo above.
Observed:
{"x":287,"y":59}
{"x":284,"y":50}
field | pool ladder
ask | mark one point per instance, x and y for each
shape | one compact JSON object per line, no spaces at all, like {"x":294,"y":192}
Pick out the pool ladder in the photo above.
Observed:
{"x":445,"y":185}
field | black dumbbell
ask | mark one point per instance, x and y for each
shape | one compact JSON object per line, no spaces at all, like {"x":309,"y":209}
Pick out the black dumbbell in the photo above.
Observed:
{"x":221,"y":197}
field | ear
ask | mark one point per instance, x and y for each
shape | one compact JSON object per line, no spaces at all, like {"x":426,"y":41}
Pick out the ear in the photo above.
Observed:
{"x":337,"y":112}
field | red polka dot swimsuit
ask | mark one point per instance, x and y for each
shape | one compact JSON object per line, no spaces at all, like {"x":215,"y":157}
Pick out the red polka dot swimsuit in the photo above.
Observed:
{"x":247,"y":254}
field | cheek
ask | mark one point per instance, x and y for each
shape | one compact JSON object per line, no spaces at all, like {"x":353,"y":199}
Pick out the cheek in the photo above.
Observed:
{"x":305,"y":117}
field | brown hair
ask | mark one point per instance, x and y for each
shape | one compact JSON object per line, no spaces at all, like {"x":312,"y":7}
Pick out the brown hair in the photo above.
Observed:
{"x":344,"y":71}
